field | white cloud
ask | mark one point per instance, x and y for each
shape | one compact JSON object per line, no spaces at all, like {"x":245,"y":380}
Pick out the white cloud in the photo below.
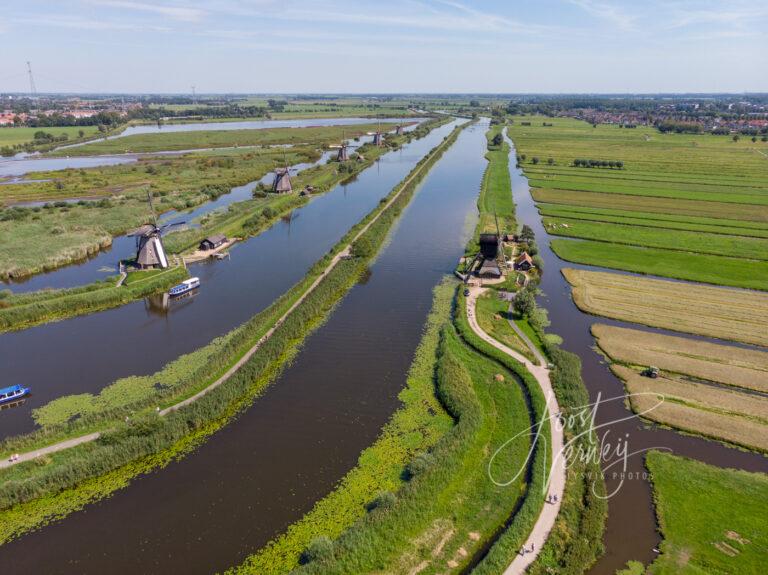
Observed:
{"x":606,"y":11}
{"x":79,"y":23}
{"x":183,"y":13}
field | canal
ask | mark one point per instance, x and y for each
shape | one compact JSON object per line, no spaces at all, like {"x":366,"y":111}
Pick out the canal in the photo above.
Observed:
{"x":104,"y":263}
{"x":142,"y":336}
{"x":631,"y":528}
{"x":265,"y":469}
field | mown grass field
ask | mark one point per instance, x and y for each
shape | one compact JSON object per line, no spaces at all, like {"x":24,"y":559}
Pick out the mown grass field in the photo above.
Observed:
{"x":712,"y":520}
{"x":723,"y":313}
{"x":22,"y":135}
{"x":695,"y":407}
{"x":174,"y":141}
{"x":702,"y":387}
{"x":726,"y":364}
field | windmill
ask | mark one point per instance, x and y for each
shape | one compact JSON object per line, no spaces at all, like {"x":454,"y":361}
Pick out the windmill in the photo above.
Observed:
{"x":399,"y":131}
{"x":343,"y":154}
{"x":378,"y":137}
{"x":150,"y":252}
{"x":282,"y":181}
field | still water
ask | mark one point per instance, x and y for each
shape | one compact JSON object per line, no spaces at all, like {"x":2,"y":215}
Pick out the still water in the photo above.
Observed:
{"x":83,"y":354}
{"x":264,"y":470}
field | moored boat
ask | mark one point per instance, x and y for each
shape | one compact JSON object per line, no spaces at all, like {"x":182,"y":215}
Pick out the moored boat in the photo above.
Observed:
{"x":13,"y":393}
{"x":184,"y":287}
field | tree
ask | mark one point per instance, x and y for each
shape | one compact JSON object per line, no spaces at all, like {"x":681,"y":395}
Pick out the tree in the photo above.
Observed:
{"x":534,"y":160}
{"x":527,"y":234}
{"x":80,"y":133}
{"x":754,"y":139}
{"x":524,"y":303}
{"x":498,"y":140}
{"x":736,"y":137}
{"x":319,"y":549}
{"x":551,"y":161}
{"x":362,"y":248}
{"x":474,"y":103}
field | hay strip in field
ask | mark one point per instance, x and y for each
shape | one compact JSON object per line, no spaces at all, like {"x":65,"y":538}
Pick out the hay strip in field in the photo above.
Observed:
{"x":695,"y":394}
{"x":725,"y":313}
{"x":721,"y":363}
{"x":737,"y":429}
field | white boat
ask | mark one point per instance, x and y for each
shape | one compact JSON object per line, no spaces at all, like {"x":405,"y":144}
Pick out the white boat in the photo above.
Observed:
{"x":184,"y":287}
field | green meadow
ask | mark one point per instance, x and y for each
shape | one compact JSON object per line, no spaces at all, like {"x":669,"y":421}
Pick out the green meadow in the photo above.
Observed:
{"x":22,"y":135}
{"x":712,"y":520}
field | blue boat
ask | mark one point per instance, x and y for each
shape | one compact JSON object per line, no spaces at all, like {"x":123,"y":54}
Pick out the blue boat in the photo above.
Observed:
{"x":13,"y":393}
{"x":184,"y":287}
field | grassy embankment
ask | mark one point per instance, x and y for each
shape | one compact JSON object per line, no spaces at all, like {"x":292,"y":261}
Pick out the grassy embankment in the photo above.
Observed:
{"x":712,"y":520}
{"x":690,"y":393}
{"x":582,"y":515}
{"x":38,"y":491}
{"x":448,"y":512}
{"x":25,"y":310}
{"x":197,"y":139}
{"x":670,"y":181}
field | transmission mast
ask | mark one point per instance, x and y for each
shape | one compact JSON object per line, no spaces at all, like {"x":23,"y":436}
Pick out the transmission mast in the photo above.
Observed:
{"x":32,"y":88}
{"x":194,"y":98}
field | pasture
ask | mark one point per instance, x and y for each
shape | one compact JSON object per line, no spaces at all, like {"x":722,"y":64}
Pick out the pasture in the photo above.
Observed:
{"x":724,"y":531}
{"x":723,"y":313}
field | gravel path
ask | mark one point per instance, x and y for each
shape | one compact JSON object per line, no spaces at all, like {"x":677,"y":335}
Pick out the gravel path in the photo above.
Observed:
{"x":546,"y":520}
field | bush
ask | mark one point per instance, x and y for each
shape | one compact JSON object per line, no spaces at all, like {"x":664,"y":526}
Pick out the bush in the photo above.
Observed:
{"x":320,"y":549}
{"x":383,"y":501}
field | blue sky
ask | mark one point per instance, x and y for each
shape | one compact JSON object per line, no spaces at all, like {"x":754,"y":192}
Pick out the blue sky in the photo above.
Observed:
{"x":394,"y":46}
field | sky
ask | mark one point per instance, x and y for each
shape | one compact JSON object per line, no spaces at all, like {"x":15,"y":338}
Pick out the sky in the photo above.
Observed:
{"x":393,"y":46}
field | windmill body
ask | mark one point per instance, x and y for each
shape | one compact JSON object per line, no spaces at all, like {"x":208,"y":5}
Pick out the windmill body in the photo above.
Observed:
{"x":282,"y":182}
{"x":343,"y":154}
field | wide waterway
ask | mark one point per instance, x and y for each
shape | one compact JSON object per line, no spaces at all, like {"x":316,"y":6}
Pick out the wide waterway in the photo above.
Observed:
{"x":631,"y":528}
{"x":264,"y":470}
{"x":104,"y":263}
{"x":83,"y":354}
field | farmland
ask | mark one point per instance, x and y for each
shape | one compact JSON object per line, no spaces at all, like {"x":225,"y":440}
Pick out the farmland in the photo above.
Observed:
{"x":705,"y":268}
{"x":729,"y":365}
{"x":495,"y":201}
{"x":711,"y":519}
{"x":690,"y":207}
{"x":710,"y":311}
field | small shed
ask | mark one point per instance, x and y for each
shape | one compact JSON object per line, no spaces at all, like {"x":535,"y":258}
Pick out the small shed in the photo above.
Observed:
{"x":523,"y":262}
{"x":213,"y":242}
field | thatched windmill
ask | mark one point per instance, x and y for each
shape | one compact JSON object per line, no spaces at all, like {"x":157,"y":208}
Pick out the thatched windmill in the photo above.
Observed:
{"x":150,"y":252}
{"x":399,"y":131}
{"x":343,"y":154}
{"x":378,"y":137}
{"x":282,"y":181}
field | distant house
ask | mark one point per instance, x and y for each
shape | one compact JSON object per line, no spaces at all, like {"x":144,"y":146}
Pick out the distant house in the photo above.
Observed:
{"x":213,"y":242}
{"x":523,"y":262}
